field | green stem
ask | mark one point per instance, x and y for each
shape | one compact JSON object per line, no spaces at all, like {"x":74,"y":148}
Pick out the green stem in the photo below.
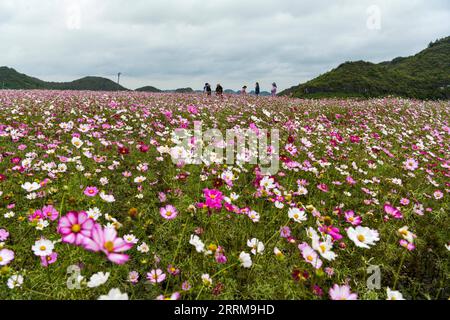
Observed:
{"x":398,"y":271}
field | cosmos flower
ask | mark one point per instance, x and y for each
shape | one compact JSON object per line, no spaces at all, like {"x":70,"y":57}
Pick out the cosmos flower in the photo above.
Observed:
{"x":197,"y":243}
{"x":75,"y":226}
{"x":352,"y":218}
{"x":156,"y":276}
{"x":392,"y":211}
{"x":4,"y":234}
{"x":6,"y":256}
{"x":256,"y":245}
{"x":106,"y":241}
{"x":48,"y":260}
{"x":91,"y":191}
{"x":168,"y":212}
{"x":298,"y":215}
{"x":114,"y":294}
{"x":245,"y":259}
{"x":363,"y":237}
{"x":98,"y":279}
{"x":342,"y":293}
{"x":43,"y":247}
{"x":310,"y":255}
{"x":393,"y":295}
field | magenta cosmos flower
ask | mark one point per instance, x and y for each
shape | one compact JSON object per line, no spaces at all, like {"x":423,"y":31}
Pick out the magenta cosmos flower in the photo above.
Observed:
{"x":168,"y":212}
{"x":106,"y":240}
{"x":352,"y":218}
{"x":50,"y":259}
{"x":342,"y":293}
{"x":91,"y":191}
{"x":213,"y":198}
{"x":75,"y":227}
{"x":50,"y":212}
{"x":390,"y":210}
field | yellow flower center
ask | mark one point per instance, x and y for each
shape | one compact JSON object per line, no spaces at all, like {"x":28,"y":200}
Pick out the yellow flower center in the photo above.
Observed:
{"x":323,"y":248}
{"x":361,"y":238}
{"x":1,"y":259}
{"x":168,"y":213}
{"x":109,"y":246}
{"x":42,"y":248}
{"x":310,"y":258}
{"x":76,"y":228}
{"x":296,"y":216}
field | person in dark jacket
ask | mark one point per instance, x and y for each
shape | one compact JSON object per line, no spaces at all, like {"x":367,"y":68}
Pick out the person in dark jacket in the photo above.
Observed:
{"x":257,"y":90}
{"x":207,"y":89}
{"x":219,"y":90}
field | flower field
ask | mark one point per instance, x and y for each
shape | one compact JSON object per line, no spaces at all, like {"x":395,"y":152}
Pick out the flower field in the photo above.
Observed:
{"x":93,"y":205}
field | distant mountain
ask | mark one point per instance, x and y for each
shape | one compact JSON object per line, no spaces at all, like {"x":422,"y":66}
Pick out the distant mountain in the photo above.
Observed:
{"x":148,"y":89}
{"x":11,"y":79}
{"x":262,"y":93}
{"x":184,"y":90}
{"x":425,"y":75}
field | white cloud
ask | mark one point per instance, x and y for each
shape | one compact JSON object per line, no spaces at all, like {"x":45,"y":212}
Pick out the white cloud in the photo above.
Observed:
{"x":178,"y":43}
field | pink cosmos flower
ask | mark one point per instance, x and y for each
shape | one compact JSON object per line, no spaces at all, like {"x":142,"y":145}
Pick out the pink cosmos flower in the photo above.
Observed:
{"x":91,"y":191}
{"x":438,"y":194}
{"x":411,"y":164}
{"x":133,"y":277}
{"x":6,"y":256}
{"x":310,"y":255}
{"x":408,"y":245}
{"x":3,"y":234}
{"x":342,"y":293}
{"x":47,"y":260}
{"x":323,"y":187}
{"x":50,"y":212}
{"x":352,"y":218}
{"x":75,"y":227}
{"x":393,"y":211}
{"x":168,"y":212}
{"x":106,"y":240}
{"x":156,"y":276}
{"x":285,"y":232}
{"x":404,"y":201}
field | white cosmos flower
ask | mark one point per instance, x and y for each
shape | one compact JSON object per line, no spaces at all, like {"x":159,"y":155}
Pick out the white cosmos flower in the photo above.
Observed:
{"x":140,"y":179}
{"x":130,"y":238}
{"x":324,"y":247}
{"x":143,"y":248}
{"x":267,"y":183}
{"x":447,"y":246}
{"x":394,"y":295}
{"x":254,"y":216}
{"x":76,"y":142}
{"x":30,"y":187}
{"x":114,"y":294}
{"x":363,"y":237}
{"x":43,"y":247}
{"x":256,"y":245}
{"x":15,"y":281}
{"x":297,"y":215}
{"x":197,"y":243}
{"x":245,"y":259}
{"x":98,"y":279}
{"x":107,"y":197}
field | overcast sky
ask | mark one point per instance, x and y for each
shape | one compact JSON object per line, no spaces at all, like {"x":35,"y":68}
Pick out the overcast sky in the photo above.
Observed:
{"x":181,"y":43}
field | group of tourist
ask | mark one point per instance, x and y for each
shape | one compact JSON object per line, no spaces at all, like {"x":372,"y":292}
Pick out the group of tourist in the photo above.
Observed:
{"x":219,"y":90}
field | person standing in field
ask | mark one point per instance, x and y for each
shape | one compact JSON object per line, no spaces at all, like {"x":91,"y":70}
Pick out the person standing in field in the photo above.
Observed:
{"x":207,"y":89}
{"x":244,"y":90}
{"x":257,"y":90}
{"x":274,"y":89}
{"x":219,"y":90}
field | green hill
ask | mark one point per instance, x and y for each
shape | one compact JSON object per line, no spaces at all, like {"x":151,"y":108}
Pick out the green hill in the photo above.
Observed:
{"x":425,"y":75}
{"x":148,"y":89}
{"x":11,"y":79}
